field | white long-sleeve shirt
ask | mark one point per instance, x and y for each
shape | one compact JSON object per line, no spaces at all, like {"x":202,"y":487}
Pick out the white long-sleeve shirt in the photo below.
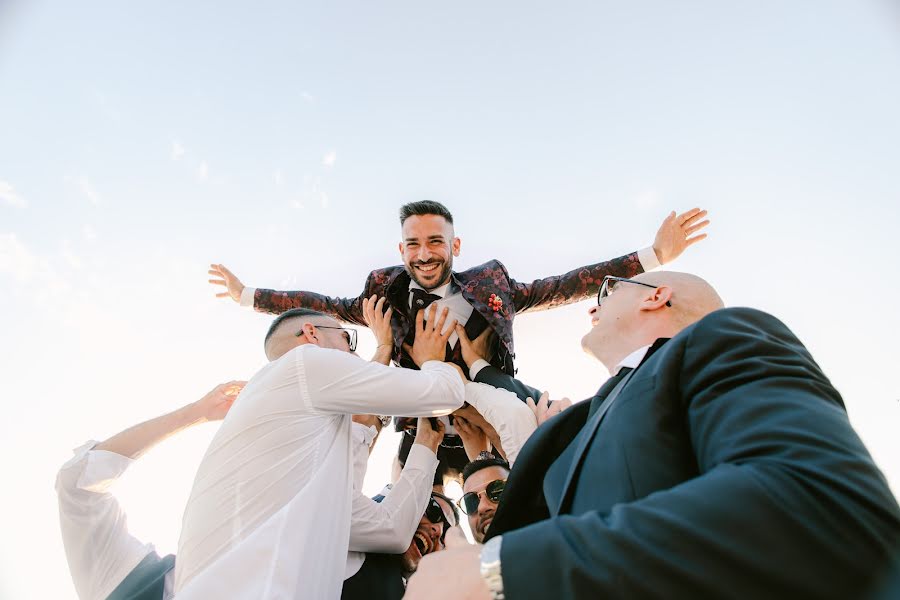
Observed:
{"x":101,"y":551}
{"x":269,"y":513}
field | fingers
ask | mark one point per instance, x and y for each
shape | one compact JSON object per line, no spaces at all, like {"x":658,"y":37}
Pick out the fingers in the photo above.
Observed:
{"x":424,"y":424}
{"x":420,"y":320}
{"x":407,"y":348}
{"x":455,"y":538}
{"x":695,"y":239}
{"x":485,"y":335}
{"x":463,"y":337}
{"x":688,"y":215}
{"x":544,"y":400}
{"x":440,"y":428}
{"x":563,"y":404}
{"x":696,"y":227}
{"x":439,"y":326}
{"x":223,"y":295}
{"x":218,"y":282}
{"x":225,"y":272}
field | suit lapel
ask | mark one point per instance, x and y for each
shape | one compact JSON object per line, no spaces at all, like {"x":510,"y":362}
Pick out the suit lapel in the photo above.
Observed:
{"x":587,"y":435}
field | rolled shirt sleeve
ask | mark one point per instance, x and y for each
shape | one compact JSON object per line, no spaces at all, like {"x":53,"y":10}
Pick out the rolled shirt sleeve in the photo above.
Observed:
{"x":99,"y":549}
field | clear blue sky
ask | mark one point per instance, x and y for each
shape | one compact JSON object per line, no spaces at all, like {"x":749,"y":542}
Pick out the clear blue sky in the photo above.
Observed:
{"x":140,"y":142}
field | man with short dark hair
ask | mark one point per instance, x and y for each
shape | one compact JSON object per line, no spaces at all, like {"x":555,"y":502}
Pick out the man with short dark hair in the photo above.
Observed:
{"x":483,"y":481}
{"x":270,"y":511}
{"x":717,"y":462}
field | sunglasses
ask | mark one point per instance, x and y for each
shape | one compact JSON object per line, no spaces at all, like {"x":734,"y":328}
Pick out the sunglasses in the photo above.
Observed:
{"x":469,"y":502}
{"x":436,"y":513}
{"x":349,"y":335}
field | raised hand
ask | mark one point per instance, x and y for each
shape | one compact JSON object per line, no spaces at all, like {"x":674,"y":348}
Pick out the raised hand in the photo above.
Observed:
{"x":475,"y":441}
{"x":473,"y":350}
{"x":428,"y":436}
{"x":216,"y":404}
{"x":379,"y":320}
{"x":675,"y":234}
{"x":431,"y":340}
{"x":543,"y":410}
{"x":228,"y":280}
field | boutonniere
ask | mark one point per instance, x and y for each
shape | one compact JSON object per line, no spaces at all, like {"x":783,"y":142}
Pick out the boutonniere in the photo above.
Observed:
{"x":495,"y":303}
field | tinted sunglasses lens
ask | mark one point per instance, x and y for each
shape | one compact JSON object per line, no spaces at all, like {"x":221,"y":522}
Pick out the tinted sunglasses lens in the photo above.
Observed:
{"x":494,"y":490}
{"x":434,"y":513}
{"x":469,"y":503}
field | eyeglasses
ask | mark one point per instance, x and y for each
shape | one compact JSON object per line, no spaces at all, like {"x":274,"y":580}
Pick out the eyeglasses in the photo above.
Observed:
{"x":349,"y":335}
{"x":610,"y":282}
{"x":492,"y":491}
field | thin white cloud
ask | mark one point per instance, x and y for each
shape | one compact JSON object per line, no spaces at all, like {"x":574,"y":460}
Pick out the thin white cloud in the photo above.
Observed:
{"x":15,"y":258}
{"x":69,"y":256}
{"x":177,"y":150}
{"x":308,"y":97}
{"x":203,"y":171}
{"x":329,"y":159}
{"x":8,"y":195}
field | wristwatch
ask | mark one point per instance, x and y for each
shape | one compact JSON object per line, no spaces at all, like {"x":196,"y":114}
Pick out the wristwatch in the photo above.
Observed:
{"x":385,"y":420}
{"x":490,"y":567}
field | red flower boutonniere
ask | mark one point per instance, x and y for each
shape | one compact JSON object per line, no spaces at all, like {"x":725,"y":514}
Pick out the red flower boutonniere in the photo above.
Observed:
{"x":495,"y":303}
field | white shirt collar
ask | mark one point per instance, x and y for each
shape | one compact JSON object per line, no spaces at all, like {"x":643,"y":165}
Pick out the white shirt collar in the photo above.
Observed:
{"x":441,"y":291}
{"x":632,"y":360}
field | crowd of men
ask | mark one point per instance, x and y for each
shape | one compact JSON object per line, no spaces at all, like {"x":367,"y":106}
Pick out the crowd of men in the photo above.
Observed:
{"x":716,"y":461}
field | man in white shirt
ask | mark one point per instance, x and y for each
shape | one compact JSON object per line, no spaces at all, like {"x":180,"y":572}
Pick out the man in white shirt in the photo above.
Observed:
{"x":107,"y":561}
{"x":270,"y":511}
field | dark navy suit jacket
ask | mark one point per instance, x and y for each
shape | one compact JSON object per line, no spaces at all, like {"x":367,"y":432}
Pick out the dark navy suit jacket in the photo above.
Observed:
{"x":725,"y":467}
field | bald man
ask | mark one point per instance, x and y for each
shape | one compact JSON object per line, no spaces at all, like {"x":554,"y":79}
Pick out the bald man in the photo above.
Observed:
{"x":716,"y":462}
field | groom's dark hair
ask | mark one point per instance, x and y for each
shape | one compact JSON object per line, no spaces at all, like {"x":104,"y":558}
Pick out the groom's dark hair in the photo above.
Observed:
{"x":424,"y":207}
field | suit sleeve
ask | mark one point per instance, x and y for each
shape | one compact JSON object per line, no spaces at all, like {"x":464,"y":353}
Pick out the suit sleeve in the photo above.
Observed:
{"x":491,"y":375}
{"x":345,"y":309}
{"x":574,"y":286}
{"x":787,"y":500}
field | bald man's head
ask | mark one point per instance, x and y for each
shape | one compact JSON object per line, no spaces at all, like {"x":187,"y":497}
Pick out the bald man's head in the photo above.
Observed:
{"x":633,"y":316}
{"x":300,"y":326}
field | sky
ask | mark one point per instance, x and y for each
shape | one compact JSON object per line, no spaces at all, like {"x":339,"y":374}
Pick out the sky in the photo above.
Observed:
{"x":142,"y":141}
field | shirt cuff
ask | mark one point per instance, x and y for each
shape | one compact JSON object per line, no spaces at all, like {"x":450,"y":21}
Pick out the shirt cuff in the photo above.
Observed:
{"x":648,"y":258}
{"x":476,"y":367}
{"x":249,"y":292}
{"x":99,"y":468}
{"x":421,"y":457}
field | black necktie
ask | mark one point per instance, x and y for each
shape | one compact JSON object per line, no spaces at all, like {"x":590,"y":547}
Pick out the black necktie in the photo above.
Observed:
{"x":422,"y":299}
{"x":606,"y":388}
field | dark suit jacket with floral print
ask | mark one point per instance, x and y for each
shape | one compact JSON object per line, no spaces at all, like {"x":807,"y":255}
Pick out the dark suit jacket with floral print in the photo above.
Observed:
{"x":477,"y":285}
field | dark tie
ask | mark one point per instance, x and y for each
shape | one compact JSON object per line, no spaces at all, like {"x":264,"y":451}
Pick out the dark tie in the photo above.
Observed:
{"x":422,"y":299}
{"x":606,"y":388}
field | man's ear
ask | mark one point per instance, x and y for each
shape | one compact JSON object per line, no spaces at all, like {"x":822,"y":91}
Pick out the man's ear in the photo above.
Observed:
{"x":400,"y":248}
{"x":455,"y":246}
{"x":657,"y":299}
{"x":309,"y":332}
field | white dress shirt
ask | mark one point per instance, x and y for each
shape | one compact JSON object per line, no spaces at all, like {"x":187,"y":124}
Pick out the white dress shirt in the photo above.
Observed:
{"x":101,"y":551}
{"x":269,"y":513}
{"x":509,"y":416}
{"x":99,"y":548}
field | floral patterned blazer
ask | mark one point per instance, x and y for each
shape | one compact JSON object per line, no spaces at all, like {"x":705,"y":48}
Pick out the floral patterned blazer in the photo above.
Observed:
{"x":481,"y":286}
